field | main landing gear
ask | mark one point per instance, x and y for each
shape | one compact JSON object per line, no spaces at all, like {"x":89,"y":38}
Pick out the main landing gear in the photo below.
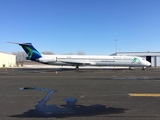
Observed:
{"x":77,"y":68}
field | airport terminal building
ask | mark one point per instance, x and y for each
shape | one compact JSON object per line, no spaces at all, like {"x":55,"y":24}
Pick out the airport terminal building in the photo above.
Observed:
{"x":7,"y":60}
{"x":152,"y":57}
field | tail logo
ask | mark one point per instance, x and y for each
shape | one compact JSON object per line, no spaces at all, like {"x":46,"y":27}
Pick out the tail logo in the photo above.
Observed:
{"x":31,"y":53}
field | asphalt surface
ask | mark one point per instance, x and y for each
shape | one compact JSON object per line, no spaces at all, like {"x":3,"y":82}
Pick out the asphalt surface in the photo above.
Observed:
{"x":100,"y":94}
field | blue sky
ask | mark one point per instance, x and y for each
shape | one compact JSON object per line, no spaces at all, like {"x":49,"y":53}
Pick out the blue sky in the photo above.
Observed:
{"x":69,"y":26}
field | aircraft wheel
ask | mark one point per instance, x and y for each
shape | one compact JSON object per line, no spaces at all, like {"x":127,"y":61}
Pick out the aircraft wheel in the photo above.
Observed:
{"x":143,"y":68}
{"x":77,"y":68}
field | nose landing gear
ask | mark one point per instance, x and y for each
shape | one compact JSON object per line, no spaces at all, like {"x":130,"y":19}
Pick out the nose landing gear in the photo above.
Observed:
{"x":143,"y":68}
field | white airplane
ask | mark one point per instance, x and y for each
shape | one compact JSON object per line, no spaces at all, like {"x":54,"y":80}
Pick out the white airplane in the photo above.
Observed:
{"x":83,"y":60}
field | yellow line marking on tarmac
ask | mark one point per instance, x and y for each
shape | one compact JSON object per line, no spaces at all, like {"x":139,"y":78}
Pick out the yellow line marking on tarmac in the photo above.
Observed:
{"x":144,"y":94}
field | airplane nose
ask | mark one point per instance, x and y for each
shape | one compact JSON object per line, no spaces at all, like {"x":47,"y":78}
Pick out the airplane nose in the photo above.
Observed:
{"x":148,"y":63}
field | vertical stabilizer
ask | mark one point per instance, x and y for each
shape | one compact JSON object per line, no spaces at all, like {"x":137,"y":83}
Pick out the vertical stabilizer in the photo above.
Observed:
{"x":32,"y":53}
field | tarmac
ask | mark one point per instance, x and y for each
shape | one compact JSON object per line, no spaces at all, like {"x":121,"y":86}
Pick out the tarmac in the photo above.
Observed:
{"x":97,"y":94}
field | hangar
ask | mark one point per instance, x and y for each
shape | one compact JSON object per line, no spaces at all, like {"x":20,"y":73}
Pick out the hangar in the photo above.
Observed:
{"x":7,"y":60}
{"x":152,"y":57}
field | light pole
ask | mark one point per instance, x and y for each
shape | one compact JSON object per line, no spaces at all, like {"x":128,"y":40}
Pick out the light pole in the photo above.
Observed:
{"x":116,"y":44}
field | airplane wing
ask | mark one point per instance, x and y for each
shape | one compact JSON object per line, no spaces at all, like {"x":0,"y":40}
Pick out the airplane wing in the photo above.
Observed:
{"x":72,"y":62}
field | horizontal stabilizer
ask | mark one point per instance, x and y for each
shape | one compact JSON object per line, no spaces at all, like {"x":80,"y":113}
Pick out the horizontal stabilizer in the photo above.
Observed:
{"x":27,"y":44}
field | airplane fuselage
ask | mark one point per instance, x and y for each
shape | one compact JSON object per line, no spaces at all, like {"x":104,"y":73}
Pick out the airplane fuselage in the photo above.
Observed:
{"x":82,"y":60}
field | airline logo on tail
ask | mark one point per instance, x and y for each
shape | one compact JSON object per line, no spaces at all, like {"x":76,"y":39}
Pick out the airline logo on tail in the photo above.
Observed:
{"x":33,"y":54}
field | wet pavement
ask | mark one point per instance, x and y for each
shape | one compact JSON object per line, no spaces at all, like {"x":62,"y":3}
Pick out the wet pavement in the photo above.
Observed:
{"x":84,"y":94}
